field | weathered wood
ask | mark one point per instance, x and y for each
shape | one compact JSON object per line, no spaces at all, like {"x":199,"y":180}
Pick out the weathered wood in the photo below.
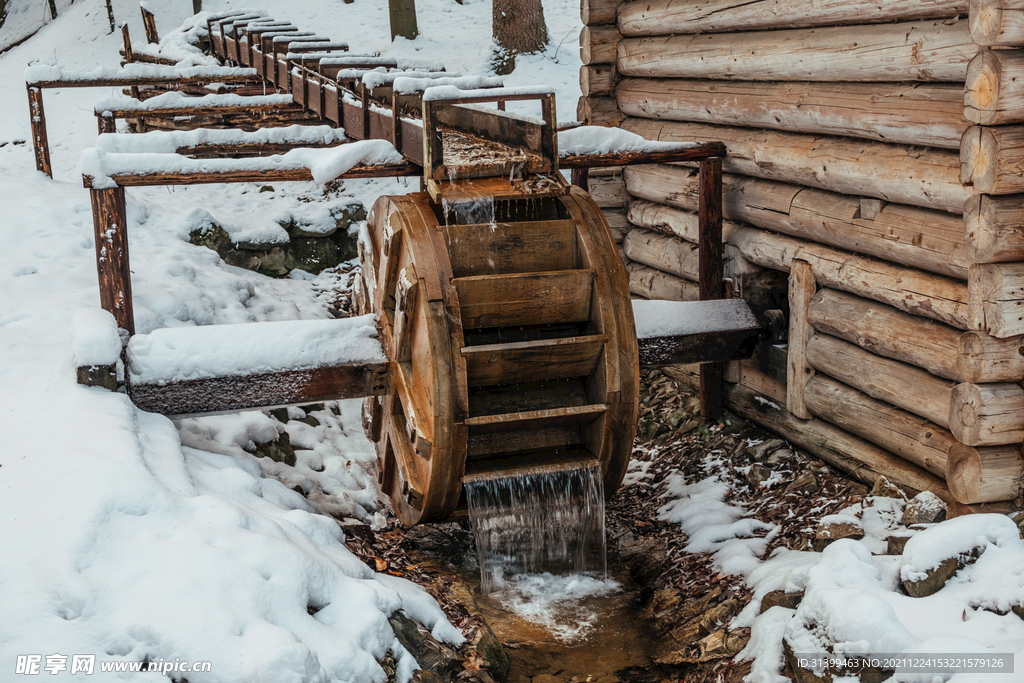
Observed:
{"x":663,"y":252}
{"x":997,"y":22}
{"x":608,"y":191}
{"x":907,"y":435}
{"x":662,"y":17}
{"x":928,"y":178}
{"x":983,"y":475}
{"x":598,"y":11}
{"x":992,"y":159}
{"x":540,"y":297}
{"x":521,"y":247}
{"x":995,"y":293}
{"x":802,"y":288}
{"x":993,"y":93}
{"x":175,"y":78}
{"x":922,"y":238}
{"x":599,"y":111}
{"x":256,"y":175}
{"x":902,"y":385}
{"x":598,"y":79}
{"x":598,"y":44}
{"x":110,"y":226}
{"x":295,"y":387}
{"x":887,"y":332}
{"x":490,"y":364}
{"x":129,"y":56}
{"x":992,"y":232}
{"x":97,"y":376}
{"x":911,"y":291}
{"x":682,"y":224}
{"x":908,"y":113}
{"x":149,"y":24}
{"x":987,"y":414}
{"x":703,"y":347}
{"x":37,"y":121}
{"x":918,"y":51}
{"x":982,"y":358}
{"x":710,"y":273}
{"x":653,"y":283}
{"x":851,"y":454}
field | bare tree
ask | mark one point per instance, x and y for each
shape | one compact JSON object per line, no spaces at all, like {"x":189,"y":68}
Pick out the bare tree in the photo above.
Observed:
{"x":518,"y":28}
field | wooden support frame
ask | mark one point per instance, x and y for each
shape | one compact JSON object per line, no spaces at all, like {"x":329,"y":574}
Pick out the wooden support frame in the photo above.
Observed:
{"x":110,"y":224}
{"x":711,"y":281}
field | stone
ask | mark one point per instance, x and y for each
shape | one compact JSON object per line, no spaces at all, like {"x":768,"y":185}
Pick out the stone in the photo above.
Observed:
{"x":310,"y":420}
{"x":897,"y":542}
{"x":1018,"y":610}
{"x":676,"y":418}
{"x":924,"y":508}
{"x":886,"y":489}
{"x":937,"y":577}
{"x":839,"y":526}
{"x":689,"y":427}
{"x":781,"y":598}
{"x":757,"y":474}
{"x":666,"y":601}
{"x":489,"y":647}
{"x":780,"y":456}
{"x":431,"y":654}
{"x":280,"y":414}
{"x":279,"y":450}
{"x":722,"y":644}
{"x":719,"y":615}
{"x":804,"y":483}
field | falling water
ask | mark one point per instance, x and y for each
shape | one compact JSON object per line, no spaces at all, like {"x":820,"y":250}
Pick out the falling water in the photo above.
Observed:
{"x":549,"y":521}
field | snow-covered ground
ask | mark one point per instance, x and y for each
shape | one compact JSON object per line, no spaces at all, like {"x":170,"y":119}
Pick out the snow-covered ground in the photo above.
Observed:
{"x":126,"y":536}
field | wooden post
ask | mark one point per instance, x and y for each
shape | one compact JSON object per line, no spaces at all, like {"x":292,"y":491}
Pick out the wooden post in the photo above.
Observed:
{"x":129,"y":56}
{"x":37,"y":119}
{"x":581,"y":178}
{"x":798,"y":370}
{"x":403,"y":19}
{"x":106,"y":124}
{"x":110,"y":225}
{"x":110,"y":17}
{"x":197,"y":6}
{"x":53,"y":8}
{"x":149,"y":23}
{"x":710,"y":274}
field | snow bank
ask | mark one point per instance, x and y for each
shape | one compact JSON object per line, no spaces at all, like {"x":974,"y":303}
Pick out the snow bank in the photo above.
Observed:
{"x":603,"y":140}
{"x":669,"y":318}
{"x":960,"y":536}
{"x":41,"y":73}
{"x":94,"y":337}
{"x":183,"y":353}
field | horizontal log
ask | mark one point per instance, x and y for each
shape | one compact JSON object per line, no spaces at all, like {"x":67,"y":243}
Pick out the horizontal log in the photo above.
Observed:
{"x":294,"y":387}
{"x":598,"y":11}
{"x":608,"y":191}
{"x":928,"y":178}
{"x":930,"y":240}
{"x":994,"y":93}
{"x":652,"y":283}
{"x":888,"y":332}
{"x":858,"y":458}
{"x":661,"y":17}
{"x":931,"y":115}
{"x":900,"y":384}
{"x":683,"y":224}
{"x":992,"y":159}
{"x":256,"y":175}
{"x":995,"y":294}
{"x":997,"y":22}
{"x":598,"y":79}
{"x":599,"y":111}
{"x":987,"y":414}
{"x":992,"y":231}
{"x":598,"y":44}
{"x":907,"y":435}
{"x":911,"y":291}
{"x":913,"y":51}
{"x":677,"y":256}
{"x":983,"y":475}
{"x":982,"y":358}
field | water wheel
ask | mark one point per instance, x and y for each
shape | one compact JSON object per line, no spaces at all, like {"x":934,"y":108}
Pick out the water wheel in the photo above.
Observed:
{"x":511,"y":345}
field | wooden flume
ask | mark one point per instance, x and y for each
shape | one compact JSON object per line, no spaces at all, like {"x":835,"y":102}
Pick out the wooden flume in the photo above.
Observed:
{"x":509,"y":333}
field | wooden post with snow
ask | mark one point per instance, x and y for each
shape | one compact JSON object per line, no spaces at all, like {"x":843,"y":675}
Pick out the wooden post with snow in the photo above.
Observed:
{"x":37,"y":118}
{"x":110,"y":222}
{"x":149,"y":23}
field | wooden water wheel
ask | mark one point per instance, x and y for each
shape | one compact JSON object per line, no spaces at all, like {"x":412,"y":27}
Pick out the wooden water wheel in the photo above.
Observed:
{"x":511,"y":344}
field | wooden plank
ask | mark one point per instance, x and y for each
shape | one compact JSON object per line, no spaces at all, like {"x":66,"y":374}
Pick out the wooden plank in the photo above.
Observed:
{"x":653,"y":283}
{"x":663,"y":17}
{"x":982,"y":358}
{"x":509,"y":299}
{"x":917,"y":51}
{"x":598,"y":11}
{"x":710,"y":273}
{"x":149,"y":24}
{"x":921,"y":238}
{"x":902,"y":385}
{"x":931,"y":115}
{"x":535,"y":419}
{"x":598,"y":79}
{"x":686,"y":151}
{"x":802,"y":288}
{"x":110,"y":232}
{"x":540,"y":360}
{"x":523,"y":397}
{"x":295,"y":387}
{"x":501,"y":248}
{"x":37,"y":122}
{"x":923,"y":177}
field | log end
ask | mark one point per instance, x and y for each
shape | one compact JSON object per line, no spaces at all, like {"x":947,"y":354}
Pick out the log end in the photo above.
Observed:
{"x":978,"y":156}
{"x":981,"y":90}
{"x":986,"y":22}
{"x":965,"y":407}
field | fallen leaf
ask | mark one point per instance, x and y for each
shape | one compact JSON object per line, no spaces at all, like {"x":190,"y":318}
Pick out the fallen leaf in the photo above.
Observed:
{"x":381,"y":564}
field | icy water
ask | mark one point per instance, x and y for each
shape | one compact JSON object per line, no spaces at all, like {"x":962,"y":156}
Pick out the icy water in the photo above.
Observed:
{"x":544,"y":522}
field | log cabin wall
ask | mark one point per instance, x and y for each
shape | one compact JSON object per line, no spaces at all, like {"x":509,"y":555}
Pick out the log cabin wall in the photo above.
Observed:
{"x":876,"y":160}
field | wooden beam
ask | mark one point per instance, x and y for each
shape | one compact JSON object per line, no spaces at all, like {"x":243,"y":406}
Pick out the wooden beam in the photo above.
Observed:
{"x":710,"y":274}
{"x":802,"y":288}
{"x":37,"y":122}
{"x":257,"y":175}
{"x":110,"y":227}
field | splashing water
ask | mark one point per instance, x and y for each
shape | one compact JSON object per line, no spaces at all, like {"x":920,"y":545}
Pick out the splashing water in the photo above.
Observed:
{"x":538,"y":522}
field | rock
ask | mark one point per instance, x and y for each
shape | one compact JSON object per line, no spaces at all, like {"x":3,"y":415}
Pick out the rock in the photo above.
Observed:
{"x":280,"y":414}
{"x":666,"y":601}
{"x":646,"y":430}
{"x":924,"y":508}
{"x":781,"y":598}
{"x":757,"y":474}
{"x":489,"y":647}
{"x":280,"y":450}
{"x":839,"y":526}
{"x":759,"y":451}
{"x":895,"y":543}
{"x":937,"y":577}
{"x":310,"y":420}
{"x":1018,"y":610}
{"x":722,"y":644}
{"x":676,"y":418}
{"x":689,"y":427}
{"x":718,"y":615}
{"x":780,"y":456}
{"x":804,"y":483}
{"x":886,"y":489}
{"x":429,"y":653}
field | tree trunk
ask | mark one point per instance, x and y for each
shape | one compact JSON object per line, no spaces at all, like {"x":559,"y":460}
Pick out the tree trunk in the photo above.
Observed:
{"x":403,"y":19}
{"x":518,"y":28}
